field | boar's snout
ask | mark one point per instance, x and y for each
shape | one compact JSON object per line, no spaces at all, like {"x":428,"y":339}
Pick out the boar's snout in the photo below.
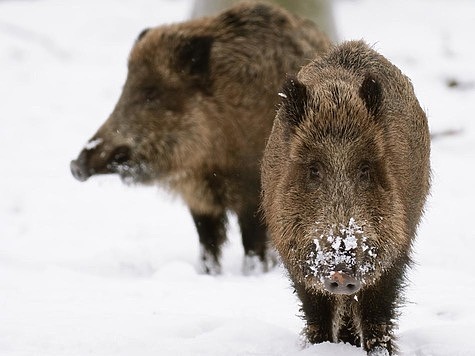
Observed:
{"x":99,"y":160}
{"x":79,"y":170}
{"x":341,"y":281}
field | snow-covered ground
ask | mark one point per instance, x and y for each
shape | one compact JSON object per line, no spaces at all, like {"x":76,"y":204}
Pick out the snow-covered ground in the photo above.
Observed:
{"x":103,"y":269}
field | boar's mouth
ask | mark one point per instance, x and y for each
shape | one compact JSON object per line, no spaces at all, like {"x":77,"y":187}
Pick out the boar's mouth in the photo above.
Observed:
{"x":94,"y":161}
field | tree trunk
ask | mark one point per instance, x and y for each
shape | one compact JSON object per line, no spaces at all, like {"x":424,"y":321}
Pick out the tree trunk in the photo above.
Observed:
{"x":319,"y":11}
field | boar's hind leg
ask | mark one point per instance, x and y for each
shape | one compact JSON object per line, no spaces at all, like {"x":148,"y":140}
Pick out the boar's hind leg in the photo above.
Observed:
{"x":212,"y":234}
{"x":318,"y":310}
{"x":254,"y":240}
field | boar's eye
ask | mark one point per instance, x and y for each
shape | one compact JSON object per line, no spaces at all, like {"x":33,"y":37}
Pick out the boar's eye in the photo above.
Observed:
{"x":364,"y":172}
{"x":315,"y":172}
{"x":151,"y":93}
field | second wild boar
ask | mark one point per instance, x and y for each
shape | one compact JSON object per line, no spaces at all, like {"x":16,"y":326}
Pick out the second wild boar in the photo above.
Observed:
{"x":195,"y":112}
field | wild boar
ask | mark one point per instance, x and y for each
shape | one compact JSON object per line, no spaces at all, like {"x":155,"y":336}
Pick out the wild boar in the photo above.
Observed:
{"x":195,"y":112}
{"x":345,"y":176}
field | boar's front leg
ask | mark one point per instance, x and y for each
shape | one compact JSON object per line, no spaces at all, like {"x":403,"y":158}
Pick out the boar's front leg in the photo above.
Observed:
{"x":318,"y":309}
{"x":349,"y":333}
{"x":212,"y":234}
{"x":378,"y":305}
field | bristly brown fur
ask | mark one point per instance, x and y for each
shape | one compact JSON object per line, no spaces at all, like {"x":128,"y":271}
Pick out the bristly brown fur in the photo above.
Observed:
{"x":344,"y":185}
{"x":196,"y":110}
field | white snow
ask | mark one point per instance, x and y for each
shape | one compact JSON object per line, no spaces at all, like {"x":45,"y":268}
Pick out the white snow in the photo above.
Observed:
{"x":90,"y":145}
{"x":99,"y":268}
{"x":379,"y":351}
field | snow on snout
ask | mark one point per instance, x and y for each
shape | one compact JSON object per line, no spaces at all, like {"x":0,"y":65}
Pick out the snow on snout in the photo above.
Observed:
{"x":93,"y":144}
{"x":346,"y":239}
{"x":349,"y":233}
{"x":335,"y":245}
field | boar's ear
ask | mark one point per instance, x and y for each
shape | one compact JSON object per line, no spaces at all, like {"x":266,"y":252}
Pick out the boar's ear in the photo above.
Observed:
{"x":193,"y":56}
{"x":372,"y":94}
{"x":294,"y":101}
{"x":142,"y":34}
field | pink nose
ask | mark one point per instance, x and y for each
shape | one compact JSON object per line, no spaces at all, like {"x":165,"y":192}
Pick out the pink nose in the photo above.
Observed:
{"x":341,"y":282}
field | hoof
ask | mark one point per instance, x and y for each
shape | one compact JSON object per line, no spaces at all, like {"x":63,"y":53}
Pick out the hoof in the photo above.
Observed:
{"x":209,"y":264}
{"x":255,"y":265}
{"x":378,"y":351}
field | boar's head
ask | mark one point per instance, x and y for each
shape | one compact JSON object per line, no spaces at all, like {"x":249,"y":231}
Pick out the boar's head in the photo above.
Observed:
{"x":156,"y":129}
{"x":340,"y":221}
